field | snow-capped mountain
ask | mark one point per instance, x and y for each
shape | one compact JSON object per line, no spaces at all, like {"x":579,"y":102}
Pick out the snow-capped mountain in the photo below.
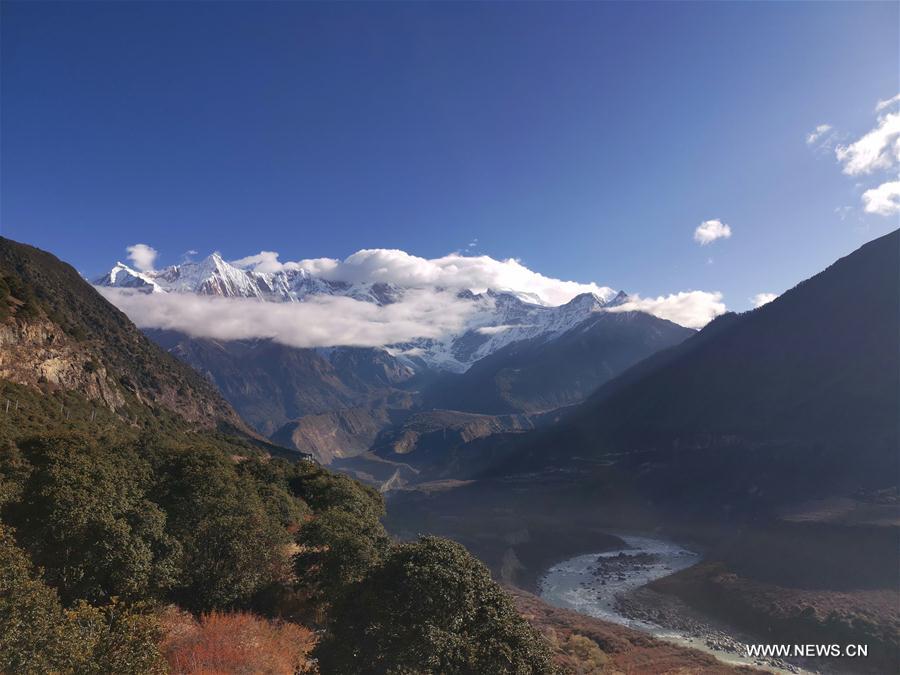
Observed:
{"x":499,"y":317}
{"x":215,"y":276}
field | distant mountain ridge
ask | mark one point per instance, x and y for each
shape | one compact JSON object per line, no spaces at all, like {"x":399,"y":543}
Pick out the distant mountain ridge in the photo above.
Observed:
{"x":550,"y":372}
{"x":800,"y":397}
{"x":271,"y":384}
{"x":513,"y":356}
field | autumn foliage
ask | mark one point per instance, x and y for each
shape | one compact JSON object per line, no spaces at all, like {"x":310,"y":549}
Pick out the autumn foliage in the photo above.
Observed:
{"x":235,"y":642}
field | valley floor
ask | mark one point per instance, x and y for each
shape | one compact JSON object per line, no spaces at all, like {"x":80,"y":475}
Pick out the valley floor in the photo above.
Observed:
{"x":790,"y":581}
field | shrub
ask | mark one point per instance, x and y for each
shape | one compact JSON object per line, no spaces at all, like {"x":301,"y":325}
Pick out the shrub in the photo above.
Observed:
{"x":121,"y":640}
{"x":237,"y":642}
{"x":34,"y":634}
{"x":590,"y":659}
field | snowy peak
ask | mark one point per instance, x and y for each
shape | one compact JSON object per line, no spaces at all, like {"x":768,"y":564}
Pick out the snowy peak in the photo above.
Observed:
{"x":498,"y":317}
{"x":122,"y":276}
{"x":586,"y":302}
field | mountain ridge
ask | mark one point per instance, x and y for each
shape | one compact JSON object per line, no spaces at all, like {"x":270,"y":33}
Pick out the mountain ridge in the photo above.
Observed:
{"x":52,"y":324}
{"x":797,"y":397}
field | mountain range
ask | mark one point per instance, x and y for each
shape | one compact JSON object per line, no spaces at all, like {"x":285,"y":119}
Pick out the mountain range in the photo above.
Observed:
{"x":513,"y":355}
{"x":497,"y":317}
{"x":796,"y":399}
{"x":803,"y":386}
{"x":770,"y":436}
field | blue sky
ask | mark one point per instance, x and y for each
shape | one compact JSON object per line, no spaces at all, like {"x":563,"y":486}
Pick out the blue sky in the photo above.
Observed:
{"x":588,"y":140}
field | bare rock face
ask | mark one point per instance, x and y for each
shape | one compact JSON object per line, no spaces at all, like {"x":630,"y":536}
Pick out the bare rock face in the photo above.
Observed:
{"x":58,"y":333}
{"x":40,"y":353}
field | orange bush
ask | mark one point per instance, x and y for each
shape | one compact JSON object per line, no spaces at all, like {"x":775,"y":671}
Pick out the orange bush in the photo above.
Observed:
{"x":235,"y":643}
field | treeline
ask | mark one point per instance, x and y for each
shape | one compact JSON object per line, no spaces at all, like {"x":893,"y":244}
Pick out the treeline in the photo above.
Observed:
{"x":100,"y":534}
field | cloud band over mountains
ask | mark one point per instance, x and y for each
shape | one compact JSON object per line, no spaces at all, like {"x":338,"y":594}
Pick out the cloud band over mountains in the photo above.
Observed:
{"x":319,"y":321}
{"x":429,"y":306}
{"x":457,"y":271}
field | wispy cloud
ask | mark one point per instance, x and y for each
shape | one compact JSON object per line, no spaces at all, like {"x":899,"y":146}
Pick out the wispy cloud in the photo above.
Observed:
{"x":813,"y":137}
{"x":710,"y":230}
{"x":887,"y":103}
{"x":143,"y":257}
{"x":264,"y":261}
{"x":843,"y":212}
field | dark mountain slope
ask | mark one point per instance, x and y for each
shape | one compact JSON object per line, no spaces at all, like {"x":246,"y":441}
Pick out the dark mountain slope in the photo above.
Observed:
{"x":271,"y":384}
{"x":540,"y":374}
{"x":57,"y":333}
{"x":800,"y":395}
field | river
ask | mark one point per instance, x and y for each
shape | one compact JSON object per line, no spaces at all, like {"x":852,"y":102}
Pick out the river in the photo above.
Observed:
{"x":595,"y":584}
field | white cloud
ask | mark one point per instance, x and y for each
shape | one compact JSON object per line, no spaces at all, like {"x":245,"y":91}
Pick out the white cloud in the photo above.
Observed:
{"x":817,"y":133}
{"x":710,"y":230}
{"x":883,"y":200}
{"x":693,"y":309}
{"x":887,"y":103}
{"x":320,"y":321}
{"x":142,"y":256}
{"x":454,"y":271}
{"x":879,"y":149}
{"x":264,"y":261}
{"x":876,"y":151}
{"x":761,"y":299}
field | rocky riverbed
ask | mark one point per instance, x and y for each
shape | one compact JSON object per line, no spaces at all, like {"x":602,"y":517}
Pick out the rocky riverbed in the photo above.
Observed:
{"x":612,"y":586}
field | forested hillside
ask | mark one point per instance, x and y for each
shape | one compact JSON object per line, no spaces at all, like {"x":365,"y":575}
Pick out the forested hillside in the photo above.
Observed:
{"x":145,"y":530}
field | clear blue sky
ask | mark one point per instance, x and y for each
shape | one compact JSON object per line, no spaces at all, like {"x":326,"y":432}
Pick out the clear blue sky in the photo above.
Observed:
{"x":589,"y":140}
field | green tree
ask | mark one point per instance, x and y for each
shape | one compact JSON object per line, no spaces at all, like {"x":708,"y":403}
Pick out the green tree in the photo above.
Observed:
{"x":34,"y":634}
{"x":323,"y":490}
{"x":430,"y":608}
{"x":84,"y":517}
{"x":271,"y":478}
{"x":337,"y":549}
{"x":345,"y":537}
{"x":119,"y":640}
{"x":38,"y":636}
{"x":233,"y":545}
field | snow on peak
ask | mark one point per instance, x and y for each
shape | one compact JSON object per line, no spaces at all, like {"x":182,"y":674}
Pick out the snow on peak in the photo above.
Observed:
{"x":123,"y":276}
{"x":498,"y":316}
